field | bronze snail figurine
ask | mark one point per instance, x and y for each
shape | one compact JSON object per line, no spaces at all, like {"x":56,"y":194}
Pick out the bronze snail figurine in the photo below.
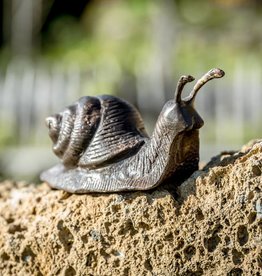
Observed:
{"x":104,"y":147}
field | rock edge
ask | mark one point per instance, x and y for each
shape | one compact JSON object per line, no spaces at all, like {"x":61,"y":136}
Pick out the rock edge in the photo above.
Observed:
{"x":211,"y":226}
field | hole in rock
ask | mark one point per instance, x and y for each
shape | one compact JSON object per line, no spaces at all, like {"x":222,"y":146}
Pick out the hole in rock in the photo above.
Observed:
{"x":127,"y":227}
{"x":227,"y":240}
{"x":252,"y":217}
{"x":70,"y":271}
{"x":189,"y":251}
{"x":65,"y":236}
{"x":143,"y":225}
{"x":199,"y":214}
{"x":84,"y":238}
{"x":256,"y":170}
{"x":225,"y":252}
{"x":28,"y":255}
{"x":90,"y":258}
{"x":126,"y":271}
{"x":104,"y":254}
{"x":5,"y":256}
{"x":198,"y":272}
{"x":10,"y":220}
{"x":212,"y":243}
{"x":148,"y":265}
{"x":116,"y":263}
{"x":115,"y":208}
{"x":235,"y":272}
{"x":245,"y":250}
{"x":107,"y":226}
{"x":169,"y":237}
{"x":259,"y":260}
{"x":227,"y":222}
{"x":242,"y":235}
{"x":250,"y":196}
{"x":180,"y":244}
{"x":237,"y":257}
{"x":16,"y":228}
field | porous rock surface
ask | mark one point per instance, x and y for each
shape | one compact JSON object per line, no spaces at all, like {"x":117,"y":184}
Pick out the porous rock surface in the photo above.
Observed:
{"x":210,"y":226}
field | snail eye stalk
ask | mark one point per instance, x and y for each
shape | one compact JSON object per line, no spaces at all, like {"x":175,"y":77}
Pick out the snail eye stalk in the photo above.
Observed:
{"x":180,"y":86}
{"x":212,"y":74}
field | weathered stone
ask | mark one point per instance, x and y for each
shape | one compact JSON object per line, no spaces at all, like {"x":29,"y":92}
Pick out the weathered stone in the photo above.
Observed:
{"x":211,"y":226}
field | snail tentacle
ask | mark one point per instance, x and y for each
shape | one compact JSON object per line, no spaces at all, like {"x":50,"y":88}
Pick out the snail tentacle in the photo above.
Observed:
{"x":211,"y":74}
{"x":180,"y":85}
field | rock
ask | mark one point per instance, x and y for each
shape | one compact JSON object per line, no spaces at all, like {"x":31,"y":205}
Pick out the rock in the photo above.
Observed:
{"x":210,"y":226}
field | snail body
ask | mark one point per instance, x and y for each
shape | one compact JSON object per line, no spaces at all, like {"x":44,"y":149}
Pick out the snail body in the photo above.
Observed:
{"x":104,"y":147}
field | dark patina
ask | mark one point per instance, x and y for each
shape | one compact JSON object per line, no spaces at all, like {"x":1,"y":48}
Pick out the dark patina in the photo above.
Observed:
{"x":104,"y":147}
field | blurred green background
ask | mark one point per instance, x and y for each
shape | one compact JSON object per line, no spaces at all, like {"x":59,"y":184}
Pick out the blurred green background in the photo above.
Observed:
{"x":54,"y":51}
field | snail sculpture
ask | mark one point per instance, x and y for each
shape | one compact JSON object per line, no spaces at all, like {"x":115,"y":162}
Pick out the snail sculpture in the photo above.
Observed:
{"x":104,"y":146}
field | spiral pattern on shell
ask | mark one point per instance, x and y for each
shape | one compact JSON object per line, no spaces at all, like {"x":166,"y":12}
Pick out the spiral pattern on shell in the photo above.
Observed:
{"x":72,"y":130}
{"x":95,"y":130}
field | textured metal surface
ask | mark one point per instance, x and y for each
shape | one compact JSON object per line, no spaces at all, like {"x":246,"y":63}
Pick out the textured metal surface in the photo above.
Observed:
{"x":104,"y":146}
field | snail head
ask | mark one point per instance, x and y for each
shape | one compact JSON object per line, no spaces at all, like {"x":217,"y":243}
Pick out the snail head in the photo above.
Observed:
{"x":180,"y":112}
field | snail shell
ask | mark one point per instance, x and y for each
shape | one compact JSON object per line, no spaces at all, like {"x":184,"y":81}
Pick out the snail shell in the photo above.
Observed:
{"x":104,"y":147}
{"x":95,"y":131}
